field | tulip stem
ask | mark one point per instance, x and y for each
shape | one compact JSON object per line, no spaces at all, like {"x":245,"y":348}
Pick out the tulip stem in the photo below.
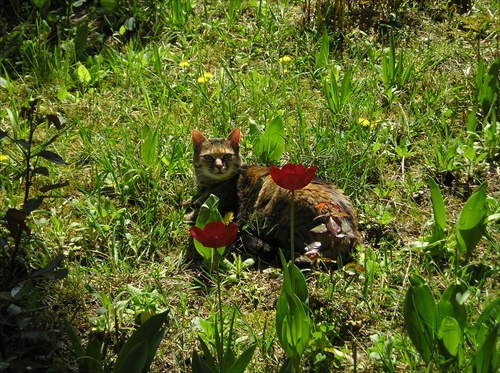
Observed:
{"x":292,"y":241}
{"x":220,"y":347}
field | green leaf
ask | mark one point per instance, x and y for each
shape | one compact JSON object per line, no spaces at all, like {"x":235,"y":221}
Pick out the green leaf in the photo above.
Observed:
{"x":452,"y":304}
{"x":450,"y":334}
{"x":243,"y":360}
{"x":420,"y":317}
{"x":82,"y":31}
{"x":62,"y":93}
{"x":269,"y":147}
{"x":472,"y":221}
{"x":486,"y":359}
{"x":152,"y":332}
{"x":437,"y":205}
{"x":135,"y":360}
{"x":205,"y":363}
{"x":83,"y":74}
{"x":129,"y":23}
{"x":488,"y":89}
{"x":41,"y":3}
{"x":324,"y":52}
{"x":149,"y":145}
{"x":91,"y":361}
{"x":199,"y":365}
{"x":109,"y":5}
{"x":75,"y":341}
{"x":487,"y":320}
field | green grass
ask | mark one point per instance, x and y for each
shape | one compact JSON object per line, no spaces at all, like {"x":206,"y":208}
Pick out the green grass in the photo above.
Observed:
{"x":128,"y":114}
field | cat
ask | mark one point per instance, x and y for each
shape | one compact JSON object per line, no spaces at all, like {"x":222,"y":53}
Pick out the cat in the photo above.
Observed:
{"x":261,"y":208}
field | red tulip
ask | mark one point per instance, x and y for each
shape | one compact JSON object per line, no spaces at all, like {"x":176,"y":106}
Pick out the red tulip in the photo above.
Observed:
{"x":215,"y":234}
{"x":292,"y":176}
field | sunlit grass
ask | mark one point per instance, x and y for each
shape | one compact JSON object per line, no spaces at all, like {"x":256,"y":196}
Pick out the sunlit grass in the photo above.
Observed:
{"x":213,"y":68}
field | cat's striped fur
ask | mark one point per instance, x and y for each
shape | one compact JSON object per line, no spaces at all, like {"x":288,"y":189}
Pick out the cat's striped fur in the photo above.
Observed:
{"x":262,"y":209}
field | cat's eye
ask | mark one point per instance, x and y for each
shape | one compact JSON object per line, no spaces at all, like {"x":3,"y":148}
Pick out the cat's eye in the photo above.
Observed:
{"x":227,"y":156}
{"x":208,"y":157}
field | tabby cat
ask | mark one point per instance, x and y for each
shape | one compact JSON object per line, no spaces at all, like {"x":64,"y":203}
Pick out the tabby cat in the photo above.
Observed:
{"x":262,"y":209}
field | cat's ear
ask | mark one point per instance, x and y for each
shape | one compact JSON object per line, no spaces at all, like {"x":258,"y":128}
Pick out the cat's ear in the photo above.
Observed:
{"x":234,"y":137}
{"x":198,"y":138}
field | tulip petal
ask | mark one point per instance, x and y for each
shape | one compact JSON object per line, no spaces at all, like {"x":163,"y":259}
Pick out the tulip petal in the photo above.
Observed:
{"x":292,"y":176}
{"x":215,"y":234}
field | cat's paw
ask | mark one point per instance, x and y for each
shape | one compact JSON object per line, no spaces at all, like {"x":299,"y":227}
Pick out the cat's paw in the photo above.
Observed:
{"x":257,"y":246}
{"x":189,"y":218}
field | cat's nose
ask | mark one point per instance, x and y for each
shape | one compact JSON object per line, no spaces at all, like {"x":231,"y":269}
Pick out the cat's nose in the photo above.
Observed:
{"x":218,"y":163}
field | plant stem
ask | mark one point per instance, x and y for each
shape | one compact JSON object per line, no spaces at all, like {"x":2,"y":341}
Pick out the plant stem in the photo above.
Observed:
{"x":292,"y":242}
{"x":220,"y":348}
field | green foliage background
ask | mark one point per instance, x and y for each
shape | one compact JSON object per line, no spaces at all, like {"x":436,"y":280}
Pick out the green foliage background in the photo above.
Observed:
{"x":381,"y":96}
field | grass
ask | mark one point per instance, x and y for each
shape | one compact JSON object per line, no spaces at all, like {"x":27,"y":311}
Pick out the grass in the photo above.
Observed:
{"x":128,"y":104}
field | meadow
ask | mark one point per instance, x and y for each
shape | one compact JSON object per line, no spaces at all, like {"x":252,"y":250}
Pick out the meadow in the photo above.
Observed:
{"x":394,"y":102}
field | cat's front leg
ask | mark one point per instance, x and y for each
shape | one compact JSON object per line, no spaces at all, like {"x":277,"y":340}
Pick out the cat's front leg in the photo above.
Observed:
{"x":195,"y":204}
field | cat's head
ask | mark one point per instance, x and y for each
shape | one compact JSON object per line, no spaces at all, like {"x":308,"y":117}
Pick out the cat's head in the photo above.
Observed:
{"x":215,"y":160}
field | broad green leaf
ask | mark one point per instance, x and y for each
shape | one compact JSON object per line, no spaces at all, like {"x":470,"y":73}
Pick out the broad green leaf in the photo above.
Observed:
{"x":301,"y":290}
{"x":135,"y":360}
{"x":208,"y":358}
{"x":450,"y":335}
{"x":452,"y":304}
{"x":62,"y":93}
{"x":83,"y":74}
{"x":486,"y":359}
{"x":75,"y":341}
{"x":437,"y":205}
{"x":420,"y":317}
{"x":472,"y":221}
{"x":474,"y":210}
{"x":199,"y":365}
{"x":40,"y":3}
{"x":149,"y":145}
{"x":82,"y":31}
{"x":324,"y":53}
{"x":243,"y":360}
{"x":109,"y":5}
{"x":152,"y":332}
{"x":346,"y":87}
{"x":92,"y":359}
{"x":487,"y":320}
{"x":488,"y":90}
{"x":269,"y":147}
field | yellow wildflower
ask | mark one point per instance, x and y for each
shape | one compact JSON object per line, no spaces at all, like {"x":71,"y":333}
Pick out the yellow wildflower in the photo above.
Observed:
{"x":205,"y":78}
{"x":364,"y":122}
{"x":184,"y":63}
{"x":285,"y":59}
{"x":228,"y":218}
{"x":3,"y":157}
